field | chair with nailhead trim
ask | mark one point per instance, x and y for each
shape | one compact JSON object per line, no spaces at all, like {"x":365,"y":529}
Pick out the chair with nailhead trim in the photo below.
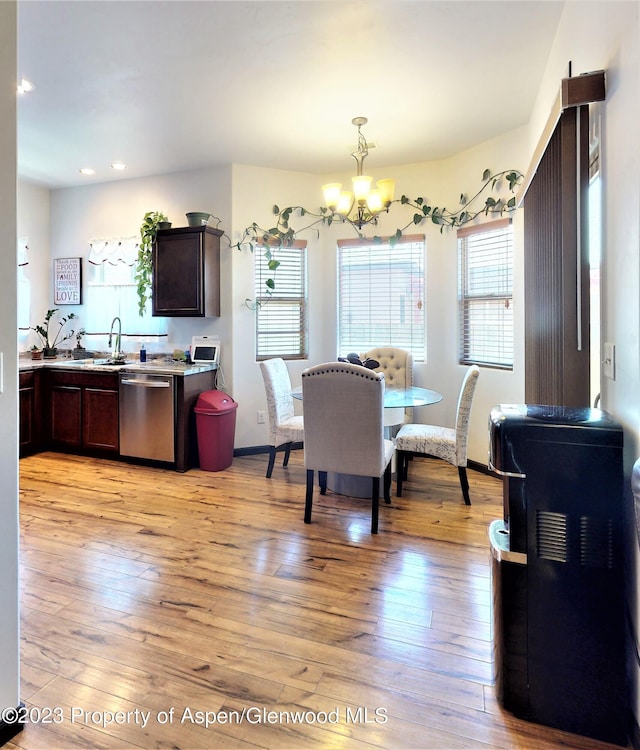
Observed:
{"x":344,"y":429}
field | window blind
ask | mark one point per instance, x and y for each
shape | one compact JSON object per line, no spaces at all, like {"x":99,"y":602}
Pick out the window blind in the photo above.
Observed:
{"x":281,"y":317}
{"x":485,"y":263}
{"x":381,"y":295}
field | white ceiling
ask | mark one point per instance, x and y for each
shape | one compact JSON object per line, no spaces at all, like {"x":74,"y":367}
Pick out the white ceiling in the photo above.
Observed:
{"x":167,"y":86}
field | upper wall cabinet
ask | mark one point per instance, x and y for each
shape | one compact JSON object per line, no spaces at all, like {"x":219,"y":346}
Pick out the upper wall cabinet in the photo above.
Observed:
{"x":186,"y":272}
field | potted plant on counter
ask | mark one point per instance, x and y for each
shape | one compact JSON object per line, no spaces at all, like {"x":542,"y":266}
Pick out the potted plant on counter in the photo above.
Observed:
{"x":50,"y":340}
{"x":80,"y":352}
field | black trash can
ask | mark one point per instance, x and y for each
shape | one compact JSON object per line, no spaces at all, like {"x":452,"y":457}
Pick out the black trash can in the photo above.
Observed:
{"x":216,"y":426}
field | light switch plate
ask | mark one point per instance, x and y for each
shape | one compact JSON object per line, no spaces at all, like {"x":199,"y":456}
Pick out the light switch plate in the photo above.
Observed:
{"x":609,"y":361}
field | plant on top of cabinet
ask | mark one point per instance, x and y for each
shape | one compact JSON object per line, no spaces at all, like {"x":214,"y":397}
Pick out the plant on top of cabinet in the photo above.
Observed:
{"x":148,"y":231}
{"x":50,"y":340}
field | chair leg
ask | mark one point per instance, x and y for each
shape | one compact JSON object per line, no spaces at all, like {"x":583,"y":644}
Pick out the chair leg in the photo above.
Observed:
{"x":309,"y":498}
{"x":464,"y":483}
{"x":272,"y":458}
{"x":375,"y":501}
{"x":322,"y":479}
{"x":287,"y":453}
{"x":387,"y":483}
{"x":400,"y":461}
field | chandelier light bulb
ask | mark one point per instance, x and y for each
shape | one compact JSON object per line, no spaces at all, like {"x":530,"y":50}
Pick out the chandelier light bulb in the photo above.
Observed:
{"x":345,"y":203}
{"x":332,"y":194}
{"x":361,"y":187}
{"x":386,"y":189}
{"x":374,"y":202}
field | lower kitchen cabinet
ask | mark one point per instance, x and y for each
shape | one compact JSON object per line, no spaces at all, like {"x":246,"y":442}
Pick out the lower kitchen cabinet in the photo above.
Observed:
{"x":83,"y":410}
{"x":100,"y":419}
{"x":30,"y":413}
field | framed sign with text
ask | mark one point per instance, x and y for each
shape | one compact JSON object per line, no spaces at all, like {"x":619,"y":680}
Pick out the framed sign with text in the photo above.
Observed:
{"x":67,"y":281}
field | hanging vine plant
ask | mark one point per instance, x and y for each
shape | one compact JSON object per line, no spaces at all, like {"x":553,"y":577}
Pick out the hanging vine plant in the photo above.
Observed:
{"x":144,"y":266}
{"x":282,"y":234}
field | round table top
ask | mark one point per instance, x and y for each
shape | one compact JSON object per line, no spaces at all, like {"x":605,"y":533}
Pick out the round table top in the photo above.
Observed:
{"x":396,"y":397}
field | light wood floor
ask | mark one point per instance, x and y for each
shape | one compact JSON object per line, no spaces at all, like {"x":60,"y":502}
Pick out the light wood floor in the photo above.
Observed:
{"x":161,"y":595}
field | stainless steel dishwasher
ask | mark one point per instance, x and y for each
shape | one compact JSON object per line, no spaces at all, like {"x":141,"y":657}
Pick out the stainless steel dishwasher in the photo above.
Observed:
{"x":147,"y":409}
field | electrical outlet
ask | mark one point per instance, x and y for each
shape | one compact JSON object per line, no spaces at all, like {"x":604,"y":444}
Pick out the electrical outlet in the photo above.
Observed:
{"x":260,"y":417}
{"x":609,"y":361}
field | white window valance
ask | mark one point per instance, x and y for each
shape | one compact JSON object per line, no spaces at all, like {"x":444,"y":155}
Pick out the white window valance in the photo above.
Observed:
{"x":114,"y":250}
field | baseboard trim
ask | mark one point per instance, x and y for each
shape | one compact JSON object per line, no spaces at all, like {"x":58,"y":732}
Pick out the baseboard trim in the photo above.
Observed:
{"x":8,"y":730}
{"x":254,"y":450}
{"x":482,"y":468}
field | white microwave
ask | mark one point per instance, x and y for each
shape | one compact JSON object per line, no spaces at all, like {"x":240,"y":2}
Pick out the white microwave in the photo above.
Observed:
{"x":205,"y":350}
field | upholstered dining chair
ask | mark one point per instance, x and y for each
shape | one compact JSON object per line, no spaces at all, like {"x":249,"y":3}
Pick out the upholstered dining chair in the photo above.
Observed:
{"x":447,"y":443}
{"x":285,"y":428}
{"x":344,"y":429}
{"x":397,"y":367}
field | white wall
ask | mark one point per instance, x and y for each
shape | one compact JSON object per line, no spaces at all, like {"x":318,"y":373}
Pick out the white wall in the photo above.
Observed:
{"x":116,"y":209}
{"x":9,"y":639}
{"x":34,"y":225}
{"x":255,"y":191}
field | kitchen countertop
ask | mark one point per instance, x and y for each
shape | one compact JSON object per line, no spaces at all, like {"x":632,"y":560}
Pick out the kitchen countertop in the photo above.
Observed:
{"x":157,"y":366}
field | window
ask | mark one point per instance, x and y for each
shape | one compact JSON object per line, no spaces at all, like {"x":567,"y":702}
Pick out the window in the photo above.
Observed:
{"x":381,"y":295}
{"x":112,"y":291}
{"x":485,"y":263}
{"x":281,"y":317}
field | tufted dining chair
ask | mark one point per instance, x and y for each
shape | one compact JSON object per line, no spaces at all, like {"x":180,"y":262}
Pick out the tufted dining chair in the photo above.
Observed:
{"x":397,"y":366}
{"x":284,"y":427}
{"x":344,"y":429}
{"x":447,"y":443}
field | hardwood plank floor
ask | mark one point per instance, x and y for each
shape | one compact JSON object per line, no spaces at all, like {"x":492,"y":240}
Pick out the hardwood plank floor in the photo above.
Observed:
{"x":164,"y":596}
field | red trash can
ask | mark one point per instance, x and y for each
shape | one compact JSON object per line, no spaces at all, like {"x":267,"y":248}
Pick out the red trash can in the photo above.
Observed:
{"x":216,"y":426}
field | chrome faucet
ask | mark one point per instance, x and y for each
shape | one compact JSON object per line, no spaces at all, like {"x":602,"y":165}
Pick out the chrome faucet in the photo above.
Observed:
{"x":116,"y":352}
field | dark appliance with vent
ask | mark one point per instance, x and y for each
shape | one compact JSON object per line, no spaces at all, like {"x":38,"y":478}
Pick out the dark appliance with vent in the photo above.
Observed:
{"x":557,"y":575}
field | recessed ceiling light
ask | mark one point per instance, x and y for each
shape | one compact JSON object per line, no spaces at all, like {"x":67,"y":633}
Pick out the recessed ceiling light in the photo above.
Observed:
{"x":87,"y":171}
{"x":24,"y":87}
{"x":118,"y":166}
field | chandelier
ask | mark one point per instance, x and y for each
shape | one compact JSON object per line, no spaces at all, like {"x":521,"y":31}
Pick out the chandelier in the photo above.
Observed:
{"x":363,"y":205}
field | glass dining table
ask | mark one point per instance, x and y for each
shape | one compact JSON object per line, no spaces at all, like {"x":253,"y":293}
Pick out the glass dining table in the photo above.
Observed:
{"x":396,"y":400}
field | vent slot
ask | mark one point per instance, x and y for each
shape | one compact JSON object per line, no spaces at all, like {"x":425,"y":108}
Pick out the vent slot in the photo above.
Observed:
{"x":596,"y":542}
{"x":551,"y":536}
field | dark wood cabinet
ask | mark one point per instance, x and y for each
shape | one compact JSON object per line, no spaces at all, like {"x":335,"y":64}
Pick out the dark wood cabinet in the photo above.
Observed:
{"x":186,"y":272}
{"x":30,"y":412}
{"x":66,"y":415}
{"x":83,"y":411}
{"x":100,"y":419}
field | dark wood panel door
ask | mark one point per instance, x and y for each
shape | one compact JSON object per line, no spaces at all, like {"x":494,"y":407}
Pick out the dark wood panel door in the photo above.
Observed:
{"x":100,"y":419}
{"x":66,"y":416}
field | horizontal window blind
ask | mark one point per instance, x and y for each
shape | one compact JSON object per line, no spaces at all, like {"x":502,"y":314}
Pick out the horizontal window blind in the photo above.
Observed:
{"x":281,"y":317}
{"x":381,"y":295}
{"x":485,"y":262}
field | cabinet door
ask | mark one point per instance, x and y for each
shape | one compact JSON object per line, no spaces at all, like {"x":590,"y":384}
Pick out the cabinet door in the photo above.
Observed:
{"x":186,"y":273}
{"x":100,"y":419}
{"x":27,"y":420}
{"x":66,"y":415}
